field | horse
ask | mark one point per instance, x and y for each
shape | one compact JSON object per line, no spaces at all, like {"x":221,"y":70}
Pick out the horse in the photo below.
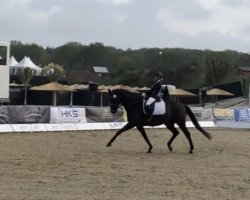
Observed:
{"x":133,"y":103}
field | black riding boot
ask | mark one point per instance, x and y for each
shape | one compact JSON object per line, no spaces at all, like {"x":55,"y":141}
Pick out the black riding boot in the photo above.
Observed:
{"x":149,"y":111}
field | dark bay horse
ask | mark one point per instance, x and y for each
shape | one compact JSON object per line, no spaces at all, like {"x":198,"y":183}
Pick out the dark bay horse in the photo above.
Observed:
{"x":133,"y":103}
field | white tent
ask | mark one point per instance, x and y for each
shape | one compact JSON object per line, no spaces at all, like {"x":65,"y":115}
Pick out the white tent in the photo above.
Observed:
{"x":13,"y":61}
{"x":26,"y":62}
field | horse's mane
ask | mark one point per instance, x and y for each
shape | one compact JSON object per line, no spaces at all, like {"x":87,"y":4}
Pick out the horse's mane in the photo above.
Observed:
{"x":123,"y":87}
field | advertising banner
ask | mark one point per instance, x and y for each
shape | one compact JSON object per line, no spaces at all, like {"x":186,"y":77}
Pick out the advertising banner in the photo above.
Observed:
{"x":24,"y":114}
{"x":224,"y":113}
{"x":202,"y":114}
{"x":67,"y":115}
{"x":103,"y":114}
{"x":242,"y":114}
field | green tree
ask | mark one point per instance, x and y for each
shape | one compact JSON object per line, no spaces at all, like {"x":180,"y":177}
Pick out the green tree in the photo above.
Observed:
{"x":217,"y":66}
{"x":25,"y":77}
{"x":53,"y":71}
{"x":36,"y":53}
{"x":69,"y":55}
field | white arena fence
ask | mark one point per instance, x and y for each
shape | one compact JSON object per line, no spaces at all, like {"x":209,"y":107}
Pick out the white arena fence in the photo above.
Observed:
{"x":99,"y":118}
{"x":19,"y":128}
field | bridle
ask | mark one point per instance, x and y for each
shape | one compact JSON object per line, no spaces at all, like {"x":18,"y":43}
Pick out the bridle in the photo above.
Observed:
{"x":114,"y":103}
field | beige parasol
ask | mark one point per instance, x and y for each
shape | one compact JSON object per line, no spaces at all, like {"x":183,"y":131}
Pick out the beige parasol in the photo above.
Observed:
{"x":218,"y":92}
{"x":80,"y":87}
{"x":141,"y":88}
{"x":54,"y":87}
{"x":103,"y":89}
{"x":181,"y":93}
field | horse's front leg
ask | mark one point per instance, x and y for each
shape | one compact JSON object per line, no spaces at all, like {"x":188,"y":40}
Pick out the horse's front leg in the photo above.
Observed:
{"x":123,"y":129}
{"x":144,"y":135}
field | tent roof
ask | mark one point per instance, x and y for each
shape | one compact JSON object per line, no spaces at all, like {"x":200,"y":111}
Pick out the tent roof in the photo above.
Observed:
{"x":26,"y":62}
{"x":13,"y":61}
{"x":219,"y":92}
{"x":53,"y":86}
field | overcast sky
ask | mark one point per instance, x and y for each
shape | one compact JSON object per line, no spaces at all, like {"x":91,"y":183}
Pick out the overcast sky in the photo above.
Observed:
{"x":195,"y":24}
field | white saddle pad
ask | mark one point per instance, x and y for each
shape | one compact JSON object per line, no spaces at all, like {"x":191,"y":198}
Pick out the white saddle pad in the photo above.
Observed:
{"x":160,"y":108}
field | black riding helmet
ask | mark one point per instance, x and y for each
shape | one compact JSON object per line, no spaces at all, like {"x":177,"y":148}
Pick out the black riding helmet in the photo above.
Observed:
{"x":158,"y":75}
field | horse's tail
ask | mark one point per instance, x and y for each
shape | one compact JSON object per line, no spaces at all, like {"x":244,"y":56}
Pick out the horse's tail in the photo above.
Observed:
{"x":196,"y":123}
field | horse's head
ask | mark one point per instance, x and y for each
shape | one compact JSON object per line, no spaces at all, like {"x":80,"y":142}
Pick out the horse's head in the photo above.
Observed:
{"x":114,"y":102}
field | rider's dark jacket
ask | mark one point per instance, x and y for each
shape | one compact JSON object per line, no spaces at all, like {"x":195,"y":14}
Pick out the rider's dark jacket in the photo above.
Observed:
{"x":155,"y":89}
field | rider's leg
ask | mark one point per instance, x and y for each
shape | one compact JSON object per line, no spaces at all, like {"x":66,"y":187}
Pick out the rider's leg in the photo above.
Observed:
{"x":150,"y":108}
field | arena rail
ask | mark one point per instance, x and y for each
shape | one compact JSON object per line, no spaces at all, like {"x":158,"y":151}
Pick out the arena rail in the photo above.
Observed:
{"x":19,"y":128}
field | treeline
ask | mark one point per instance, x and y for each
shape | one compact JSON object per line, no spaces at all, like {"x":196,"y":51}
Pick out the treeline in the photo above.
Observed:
{"x":185,"y":68}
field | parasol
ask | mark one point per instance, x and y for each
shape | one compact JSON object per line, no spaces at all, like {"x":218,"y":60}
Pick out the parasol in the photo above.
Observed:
{"x":218,"y":92}
{"x":181,"y":93}
{"x":54,"y":87}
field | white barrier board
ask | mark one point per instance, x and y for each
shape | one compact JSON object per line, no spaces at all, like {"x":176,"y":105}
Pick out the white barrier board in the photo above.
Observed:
{"x":60,"y":127}
{"x":100,"y":126}
{"x":205,"y":124}
{"x":29,"y":127}
{"x":80,"y":126}
{"x":6,"y":128}
{"x":189,"y":124}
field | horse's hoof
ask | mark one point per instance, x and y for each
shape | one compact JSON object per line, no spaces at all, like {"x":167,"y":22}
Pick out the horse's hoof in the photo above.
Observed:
{"x":170,"y":148}
{"x":108,"y":145}
{"x":149,"y":151}
{"x":191,"y":152}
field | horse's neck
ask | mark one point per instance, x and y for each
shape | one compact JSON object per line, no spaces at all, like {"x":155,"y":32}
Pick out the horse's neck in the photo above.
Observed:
{"x":131,"y":103}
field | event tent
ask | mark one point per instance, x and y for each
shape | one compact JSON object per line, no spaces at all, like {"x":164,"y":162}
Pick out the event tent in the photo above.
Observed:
{"x":13,"y":61}
{"x":25,"y":62}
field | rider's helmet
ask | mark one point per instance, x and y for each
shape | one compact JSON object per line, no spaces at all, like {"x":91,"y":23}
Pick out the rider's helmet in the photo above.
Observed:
{"x":158,"y":75}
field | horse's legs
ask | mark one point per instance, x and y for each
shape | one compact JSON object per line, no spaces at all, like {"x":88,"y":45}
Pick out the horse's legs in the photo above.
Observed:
{"x":188,"y":135}
{"x":175,"y":133}
{"x":124,"y":128}
{"x":144,"y":135}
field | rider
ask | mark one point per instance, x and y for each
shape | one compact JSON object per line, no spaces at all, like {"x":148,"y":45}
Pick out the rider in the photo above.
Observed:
{"x":156,"y":87}
{"x":155,"y":94}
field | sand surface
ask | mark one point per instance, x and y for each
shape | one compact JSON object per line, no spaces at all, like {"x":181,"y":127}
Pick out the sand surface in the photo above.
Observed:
{"x":67,"y":166}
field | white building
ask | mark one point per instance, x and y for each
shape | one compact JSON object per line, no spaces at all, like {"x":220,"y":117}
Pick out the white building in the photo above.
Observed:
{"x":4,"y":71}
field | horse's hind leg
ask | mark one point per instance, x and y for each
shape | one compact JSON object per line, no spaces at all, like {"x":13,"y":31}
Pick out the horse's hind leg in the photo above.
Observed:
{"x":188,"y":135}
{"x":125,"y":128}
{"x":175,"y":133}
{"x":144,"y":135}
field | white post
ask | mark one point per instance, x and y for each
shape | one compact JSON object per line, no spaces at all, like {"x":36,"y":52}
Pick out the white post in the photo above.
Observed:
{"x":101,"y":100}
{"x":71,"y":98}
{"x":54,"y":98}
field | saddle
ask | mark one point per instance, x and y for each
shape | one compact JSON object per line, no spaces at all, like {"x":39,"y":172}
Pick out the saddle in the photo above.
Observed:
{"x":157,"y":107}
